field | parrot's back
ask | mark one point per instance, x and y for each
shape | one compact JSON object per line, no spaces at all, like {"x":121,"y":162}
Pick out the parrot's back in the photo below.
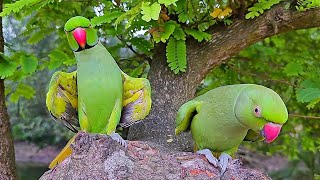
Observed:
{"x":100,"y":89}
{"x":215,"y":126}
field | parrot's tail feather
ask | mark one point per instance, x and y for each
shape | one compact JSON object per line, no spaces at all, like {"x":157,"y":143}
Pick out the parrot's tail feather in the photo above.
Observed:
{"x":65,"y":152}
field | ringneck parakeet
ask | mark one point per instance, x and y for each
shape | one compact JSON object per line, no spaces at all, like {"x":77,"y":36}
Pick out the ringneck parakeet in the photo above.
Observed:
{"x":222,"y":118}
{"x":99,"y":93}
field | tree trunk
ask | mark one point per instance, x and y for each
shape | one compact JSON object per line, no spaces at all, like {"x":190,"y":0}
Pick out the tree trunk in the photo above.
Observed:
{"x":7,"y":159}
{"x":170,"y":91}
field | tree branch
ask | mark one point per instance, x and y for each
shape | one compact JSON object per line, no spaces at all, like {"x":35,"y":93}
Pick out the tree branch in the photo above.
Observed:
{"x":302,"y":116}
{"x":264,"y":77}
{"x":228,"y":41}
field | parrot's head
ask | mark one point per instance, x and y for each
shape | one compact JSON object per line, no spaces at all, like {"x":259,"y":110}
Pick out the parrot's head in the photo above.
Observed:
{"x":262,"y":110}
{"x":81,"y":35}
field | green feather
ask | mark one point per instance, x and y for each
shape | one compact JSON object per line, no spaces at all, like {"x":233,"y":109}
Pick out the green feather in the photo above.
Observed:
{"x":77,"y":21}
{"x":92,"y":37}
{"x":72,"y":42}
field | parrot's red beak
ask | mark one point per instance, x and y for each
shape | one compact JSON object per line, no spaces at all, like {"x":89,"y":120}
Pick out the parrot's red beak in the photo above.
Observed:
{"x":81,"y":36}
{"x":271,"y":131}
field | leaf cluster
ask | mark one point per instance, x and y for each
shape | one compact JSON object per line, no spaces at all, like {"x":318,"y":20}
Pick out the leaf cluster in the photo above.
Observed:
{"x":258,"y":8}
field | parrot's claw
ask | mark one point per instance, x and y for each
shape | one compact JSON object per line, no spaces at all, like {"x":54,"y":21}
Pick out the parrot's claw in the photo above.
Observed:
{"x":223,"y":162}
{"x":119,"y":139}
{"x":208,"y":154}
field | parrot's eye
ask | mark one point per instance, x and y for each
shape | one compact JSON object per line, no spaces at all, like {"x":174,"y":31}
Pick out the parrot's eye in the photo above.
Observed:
{"x":257,"y":111}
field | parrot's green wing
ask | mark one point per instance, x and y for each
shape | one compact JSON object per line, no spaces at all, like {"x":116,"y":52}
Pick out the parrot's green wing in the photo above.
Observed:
{"x":62,"y":100}
{"x":253,"y":136}
{"x":185,"y":115}
{"x":136,"y":100}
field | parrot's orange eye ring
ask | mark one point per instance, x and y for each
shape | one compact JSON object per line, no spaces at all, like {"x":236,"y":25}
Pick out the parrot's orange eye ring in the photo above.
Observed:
{"x":257,"y":110}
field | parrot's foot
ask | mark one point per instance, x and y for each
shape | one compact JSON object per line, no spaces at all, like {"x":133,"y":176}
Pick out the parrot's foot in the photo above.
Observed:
{"x":119,"y":139}
{"x":208,"y":154}
{"x":223,"y":162}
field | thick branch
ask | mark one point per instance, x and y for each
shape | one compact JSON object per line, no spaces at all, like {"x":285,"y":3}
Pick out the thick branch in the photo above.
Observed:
{"x":100,"y":157}
{"x":229,"y":41}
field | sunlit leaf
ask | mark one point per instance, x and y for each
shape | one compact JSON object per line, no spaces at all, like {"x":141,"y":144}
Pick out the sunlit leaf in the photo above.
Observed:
{"x":308,"y":94}
{"x":29,"y":64}
{"x":150,"y":12}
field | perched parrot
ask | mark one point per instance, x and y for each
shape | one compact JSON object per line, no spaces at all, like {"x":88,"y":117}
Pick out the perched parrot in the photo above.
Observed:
{"x":222,"y":118}
{"x":98,"y":96}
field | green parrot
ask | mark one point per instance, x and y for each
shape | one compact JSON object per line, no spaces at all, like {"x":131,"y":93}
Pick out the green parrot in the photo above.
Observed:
{"x":98,"y":96}
{"x":222,"y":118}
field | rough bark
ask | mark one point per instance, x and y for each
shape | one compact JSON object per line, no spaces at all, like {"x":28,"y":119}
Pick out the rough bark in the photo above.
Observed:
{"x":171,"y":91}
{"x":7,"y":160}
{"x":99,"y":157}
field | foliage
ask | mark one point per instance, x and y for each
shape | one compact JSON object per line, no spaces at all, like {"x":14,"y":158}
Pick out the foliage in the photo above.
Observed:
{"x":258,"y":8}
{"x":303,"y":5}
{"x":162,"y":19}
{"x":176,"y":52}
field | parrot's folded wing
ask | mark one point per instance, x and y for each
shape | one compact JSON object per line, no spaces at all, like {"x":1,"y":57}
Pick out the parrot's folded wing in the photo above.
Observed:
{"x":253,"y":136}
{"x":62,"y":99}
{"x":185,"y":115}
{"x":136,"y":100}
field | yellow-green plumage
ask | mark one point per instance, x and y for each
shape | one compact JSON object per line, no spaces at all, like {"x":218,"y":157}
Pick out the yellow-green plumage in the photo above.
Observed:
{"x":221,"y":118}
{"x":62,"y":98}
{"x":99,"y":93}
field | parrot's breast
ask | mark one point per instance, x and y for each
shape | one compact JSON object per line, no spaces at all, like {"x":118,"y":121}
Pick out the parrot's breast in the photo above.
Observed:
{"x":100,"y":85}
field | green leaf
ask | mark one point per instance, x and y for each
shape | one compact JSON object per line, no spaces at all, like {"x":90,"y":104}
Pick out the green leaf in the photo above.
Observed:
{"x":7,"y":69}
{"x":293,"y":69}
{"x":183,"y":17}
{"x":176,"y":55}
{"x":17,"y":6}
{"x":259,"y":7}
{"x":106,"y":18}
{"x":169,"y":28}
{"x":29,"y":64}
{"x":168,"y":2}
{"x":70,"y":62}
{"x":150,"y":12}
{"x":129,"y":15}
{"x":252,"y":15}
{"x":308,"y":94}
{"x":313,"y":103}
{"x":36,"y":37}
{"x":179,"y":34}
{"x":198,"y":35}
{"x":203,"y":26}
{"x":22,"y":90}
{"x":310,"y":83}
{"x":57,"y":57}
{"x":142,"y":44}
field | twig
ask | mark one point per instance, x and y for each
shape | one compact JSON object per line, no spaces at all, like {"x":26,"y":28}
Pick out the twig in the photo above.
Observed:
{"x":128,"y":46}
{"x":302,"y":116}
{"x":261,"y":76}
